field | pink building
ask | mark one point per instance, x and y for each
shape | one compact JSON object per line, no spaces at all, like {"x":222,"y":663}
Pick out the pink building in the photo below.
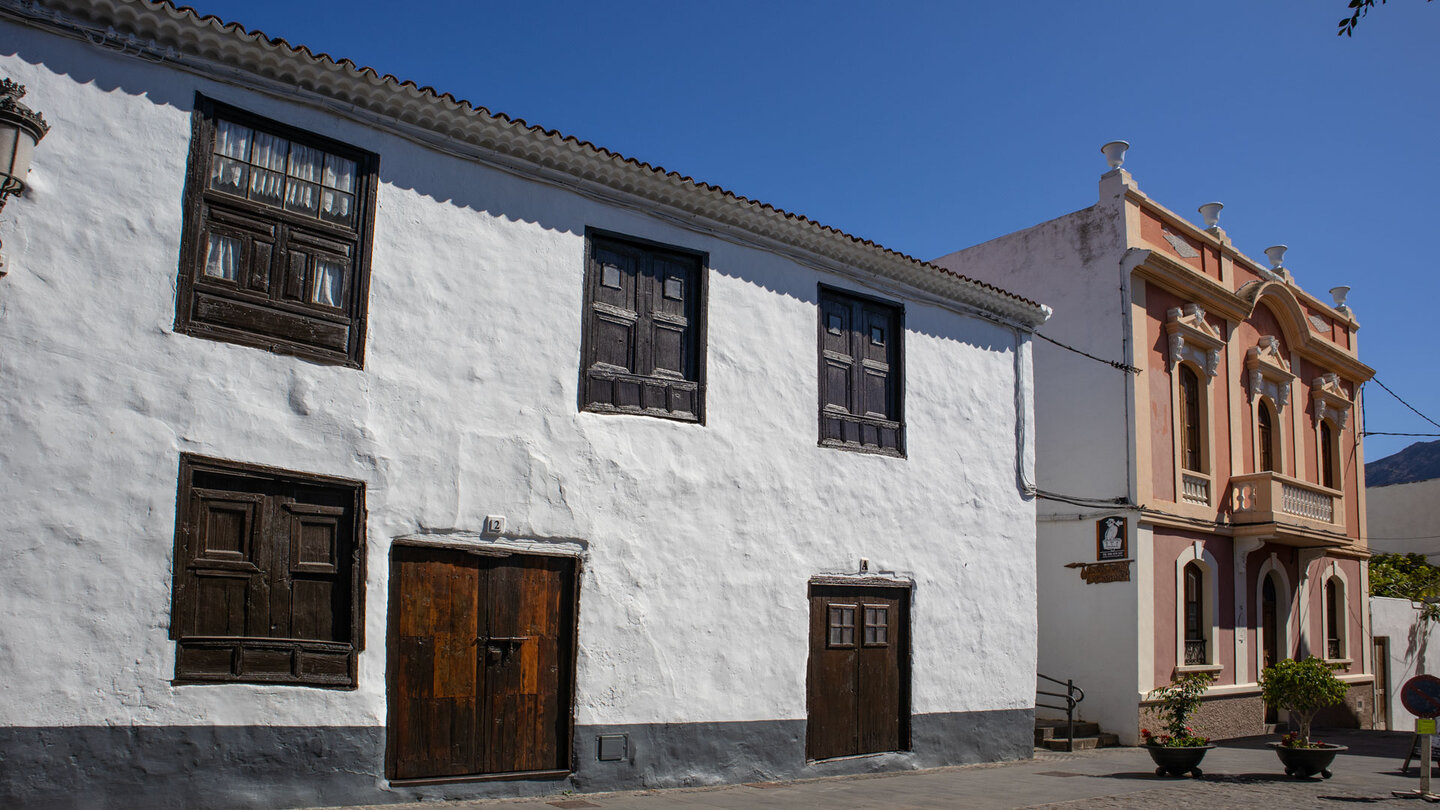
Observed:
{"x":1201,"y":499}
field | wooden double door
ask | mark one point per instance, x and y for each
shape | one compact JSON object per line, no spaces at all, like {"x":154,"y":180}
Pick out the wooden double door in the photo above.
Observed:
{"x":858,"y":684}
{"x":481,"y":664}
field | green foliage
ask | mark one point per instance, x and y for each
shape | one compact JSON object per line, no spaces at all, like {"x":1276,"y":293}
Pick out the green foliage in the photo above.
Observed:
{"x":1405,"y":576}
{"x":1177,"y":703}
{"x":1358,"y":9}
{"x":1303,"y":687}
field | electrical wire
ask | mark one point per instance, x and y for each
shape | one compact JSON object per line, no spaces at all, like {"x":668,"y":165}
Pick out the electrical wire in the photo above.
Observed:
{"x":1376,"y":380}
{"x":1383,"y":433}
{"x":1115,"y":363}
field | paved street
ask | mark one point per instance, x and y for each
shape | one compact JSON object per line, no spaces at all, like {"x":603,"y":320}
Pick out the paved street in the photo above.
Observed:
{"x":1241,"y":773}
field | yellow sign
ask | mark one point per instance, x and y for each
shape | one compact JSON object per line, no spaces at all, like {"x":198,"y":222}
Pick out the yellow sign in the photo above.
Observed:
{"x":1424,"y":725}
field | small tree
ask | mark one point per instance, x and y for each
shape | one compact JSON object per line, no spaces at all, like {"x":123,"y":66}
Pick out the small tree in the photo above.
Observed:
{"x":1302,"y":687}
{"x":1178,"y":702}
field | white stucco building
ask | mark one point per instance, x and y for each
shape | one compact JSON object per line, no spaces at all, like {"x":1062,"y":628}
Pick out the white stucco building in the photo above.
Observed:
{"x":359,"y":445}
{"x":1405,"y":518}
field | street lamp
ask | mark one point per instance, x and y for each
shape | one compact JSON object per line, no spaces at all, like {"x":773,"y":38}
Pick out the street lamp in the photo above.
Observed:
{"x":20,"y":129}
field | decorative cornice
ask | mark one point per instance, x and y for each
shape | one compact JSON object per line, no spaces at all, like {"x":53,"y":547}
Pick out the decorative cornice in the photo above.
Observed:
{"x":1269,"y":372}
{"x":1193,"y":338}
{"x":159,"y":31}
{"x":1329,"y":399}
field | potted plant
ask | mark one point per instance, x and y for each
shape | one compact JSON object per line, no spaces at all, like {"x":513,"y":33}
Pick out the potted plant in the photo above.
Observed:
{"x":1178,"y":751}
{"x":1303,"y":688}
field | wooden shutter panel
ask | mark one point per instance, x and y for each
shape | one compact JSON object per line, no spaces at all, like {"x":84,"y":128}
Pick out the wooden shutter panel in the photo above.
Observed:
{"x":860,"y":357}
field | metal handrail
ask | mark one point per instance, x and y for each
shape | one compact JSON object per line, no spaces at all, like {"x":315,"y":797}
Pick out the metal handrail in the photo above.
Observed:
{"x":1071,"y":690}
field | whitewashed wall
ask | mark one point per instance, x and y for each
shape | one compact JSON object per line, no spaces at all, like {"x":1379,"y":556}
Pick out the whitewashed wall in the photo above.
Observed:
{"x":1414,"y":650}
{"x":1083,"y":440}
{"x":693,"y":537}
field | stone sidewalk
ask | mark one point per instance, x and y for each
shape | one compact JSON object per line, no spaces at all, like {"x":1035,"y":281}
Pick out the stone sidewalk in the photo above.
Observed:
{"x":1240,"y":773}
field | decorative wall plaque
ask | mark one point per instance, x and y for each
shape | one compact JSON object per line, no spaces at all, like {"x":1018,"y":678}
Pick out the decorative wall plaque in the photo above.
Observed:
{"x":1106,"y":572}
{"x":1110,"y":539}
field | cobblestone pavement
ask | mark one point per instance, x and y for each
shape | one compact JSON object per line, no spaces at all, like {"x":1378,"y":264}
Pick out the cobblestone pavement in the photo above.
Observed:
{"x":1238,"y":774}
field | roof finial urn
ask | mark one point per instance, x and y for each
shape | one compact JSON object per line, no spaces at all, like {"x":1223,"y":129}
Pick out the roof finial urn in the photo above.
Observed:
{"x":1210,"y":213}
{"x":1276,"y":255}
{"x":1114,"y":153}
{"x":1340,"y":294}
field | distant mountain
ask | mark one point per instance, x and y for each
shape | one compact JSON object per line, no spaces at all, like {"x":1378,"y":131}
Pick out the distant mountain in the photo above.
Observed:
{"x":1418,"y":462}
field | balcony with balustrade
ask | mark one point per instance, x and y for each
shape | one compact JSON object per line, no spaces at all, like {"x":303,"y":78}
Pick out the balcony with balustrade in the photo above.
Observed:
{"x":1286,"y":510}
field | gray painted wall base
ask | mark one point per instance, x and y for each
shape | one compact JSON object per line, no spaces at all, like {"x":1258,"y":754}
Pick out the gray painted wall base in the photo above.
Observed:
{"x":99,"y":767}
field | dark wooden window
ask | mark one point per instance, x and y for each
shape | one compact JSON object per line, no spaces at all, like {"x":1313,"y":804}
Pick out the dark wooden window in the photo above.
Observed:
{"x":267,"y":573}
{"x":644,"y":336}
{"x":842,"y":626}
{"x":1195,"y":652}
{"x":1327,"y":455}
{"x":861,"y":373}
{"x":1266,"y":432}
{"x":1190,"y":457}
{"x":276,"y":251}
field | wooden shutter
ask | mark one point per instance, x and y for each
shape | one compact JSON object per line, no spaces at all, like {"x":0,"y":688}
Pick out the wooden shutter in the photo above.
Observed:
{"x":642,"y":330}
{"x":265,"y":579}
{"x":860,"y":367}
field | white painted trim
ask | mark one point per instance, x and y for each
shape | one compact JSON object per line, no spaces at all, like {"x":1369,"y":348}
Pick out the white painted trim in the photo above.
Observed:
{"x":1210,"y":569}
{"x":1342,"y":597}
{"x":1243,"y":609}
{"x":1144,"y":553}
{"x":1284,"y":608}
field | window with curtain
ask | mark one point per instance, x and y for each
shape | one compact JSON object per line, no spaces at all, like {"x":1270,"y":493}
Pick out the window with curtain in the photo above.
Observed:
{"x":277,"y":237}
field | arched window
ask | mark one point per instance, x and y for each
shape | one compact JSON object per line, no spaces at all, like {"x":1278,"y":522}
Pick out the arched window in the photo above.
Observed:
{"x":1190,"y":456}
{"x":1270,"y":621}
{"x":1327,"y":455}
{"x":1334,"y":619}
{"x":1265,"y":430}
{"x":1195,"y":652}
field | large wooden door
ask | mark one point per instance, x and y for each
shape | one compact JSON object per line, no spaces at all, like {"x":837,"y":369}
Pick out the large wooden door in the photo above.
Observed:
{"x":1270,"y":630}
{"x":481,"y":663}
{"x":858,"y":681}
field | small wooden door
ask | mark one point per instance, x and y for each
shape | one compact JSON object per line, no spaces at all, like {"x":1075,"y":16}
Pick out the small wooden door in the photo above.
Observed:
{"x":481,"y":663}
{"x":859,"y":675}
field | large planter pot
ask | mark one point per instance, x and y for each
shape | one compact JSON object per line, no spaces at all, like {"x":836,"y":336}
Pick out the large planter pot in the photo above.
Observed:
{"x":1306,"y":762}
{"x":1177,"y":761}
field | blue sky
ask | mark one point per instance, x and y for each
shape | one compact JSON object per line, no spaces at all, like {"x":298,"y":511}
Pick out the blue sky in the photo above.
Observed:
{"x":930,"y":127}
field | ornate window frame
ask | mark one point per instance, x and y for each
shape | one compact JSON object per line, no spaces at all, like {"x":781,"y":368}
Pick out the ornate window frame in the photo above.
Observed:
{"x":1337,"y":577}
{"x":1329,"y":403}
{"x":1197,"y":344}
{"x":1210,"y":601}
{"x":1270,"y":379}
{"x":1283,"y":609}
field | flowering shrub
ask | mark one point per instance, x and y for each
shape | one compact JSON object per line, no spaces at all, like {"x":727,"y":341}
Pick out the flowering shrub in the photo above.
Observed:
{"x":1294,"y":740}
{"x":1176,"y":703}
{"x":1186,"y":740}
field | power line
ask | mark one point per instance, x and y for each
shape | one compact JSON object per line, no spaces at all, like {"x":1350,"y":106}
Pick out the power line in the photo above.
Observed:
{"x":1376,"y":380}
{"x":1115,"y":363}
{"x":1383,"y":433}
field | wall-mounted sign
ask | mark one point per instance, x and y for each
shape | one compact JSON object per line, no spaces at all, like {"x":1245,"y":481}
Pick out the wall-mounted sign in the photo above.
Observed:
{"x":1106,"y":572}
{"x":1110,"y":540}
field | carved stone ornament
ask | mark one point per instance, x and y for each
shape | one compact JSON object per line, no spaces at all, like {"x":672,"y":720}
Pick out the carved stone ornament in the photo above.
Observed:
{"x":1269,"y":373}
{"x":1330,"y":400}
{"x":1192,"y":338}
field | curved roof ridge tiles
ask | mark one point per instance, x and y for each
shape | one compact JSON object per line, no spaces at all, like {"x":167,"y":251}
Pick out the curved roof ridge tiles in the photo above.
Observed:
{"x":1039,"y":311}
